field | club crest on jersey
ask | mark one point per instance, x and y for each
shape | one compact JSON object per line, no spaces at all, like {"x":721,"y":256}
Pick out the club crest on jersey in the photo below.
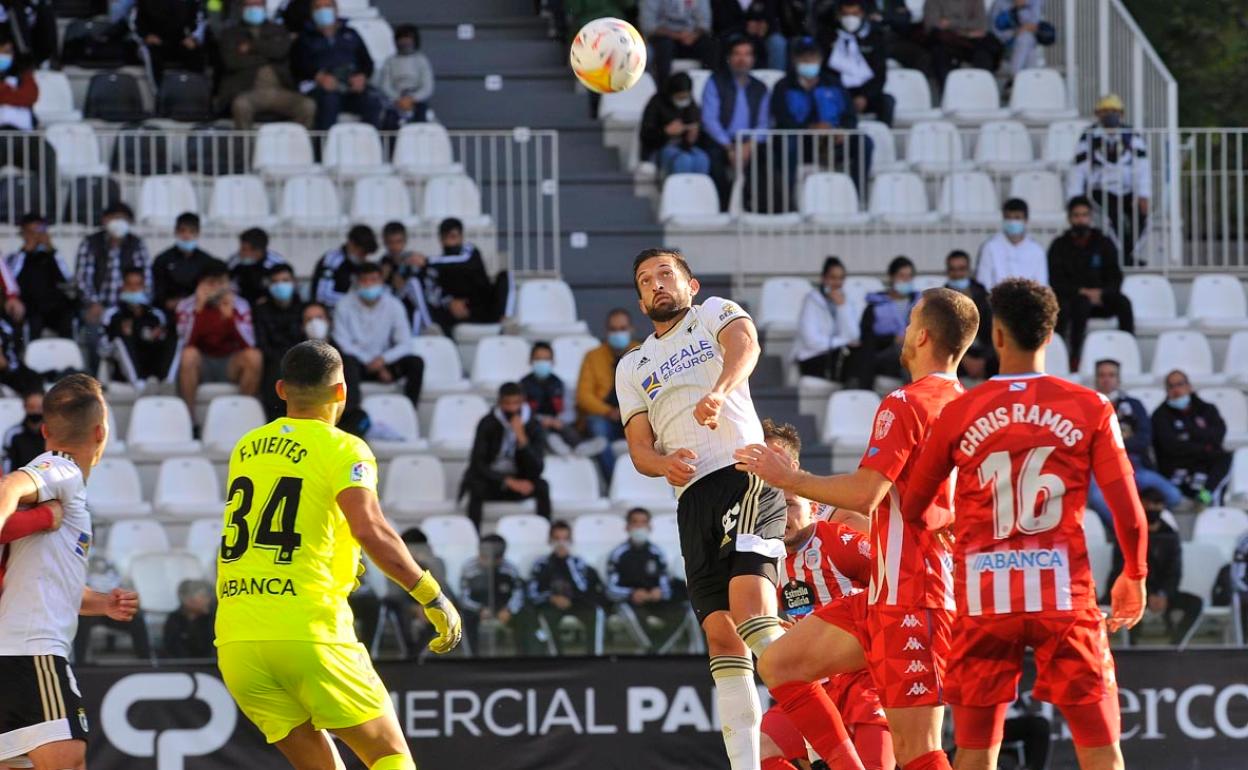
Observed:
{"x":884,"y":423}
{"x":1018,"y":387}
{"x":812,"y":559}
{"x":652,"y":386}
{"x":361,"y":472}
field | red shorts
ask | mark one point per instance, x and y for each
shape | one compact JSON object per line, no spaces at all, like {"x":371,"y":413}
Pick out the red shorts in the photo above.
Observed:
{"x":855,"y":698}
{"x":905,"y":648}
{"x":1073,"y":662}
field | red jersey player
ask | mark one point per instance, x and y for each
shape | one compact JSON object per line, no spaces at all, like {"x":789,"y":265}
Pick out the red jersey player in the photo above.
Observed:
{"x":1025,"y":446}
{"x":901,"y":623}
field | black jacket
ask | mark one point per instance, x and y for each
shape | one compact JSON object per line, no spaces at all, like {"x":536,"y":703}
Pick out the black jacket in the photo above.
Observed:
{"x":45,"y":281}
{"x":32,"y":26}
{"x":1088,"y":264}
{"x":342,"y":55}
{"x":568,"y":576}
{"x":170,"y":20}
{"x":487,"y":448}
{"x":189,"y":638}
{"x":492,"y":588}
{"x":978,"y":294}
{"x":175,"y":273}
{"x":278,"y":328}
{"x":454,"y":276}
{"x":658,"y":113}
{"x":1165,"y":562}
{"x":144,"y":330}
{"x":874,"y":49}
{"x":630,"y":567}
{"x":1139,"y":444}
{"x":1187,"y":440}
{"x":22,"y":443}
{"x":545,"y":396}
{"x":268,"y":45}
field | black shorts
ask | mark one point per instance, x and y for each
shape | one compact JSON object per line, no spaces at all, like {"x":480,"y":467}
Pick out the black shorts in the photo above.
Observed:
{"x":731,"y":523}
{"x":39,"y":704}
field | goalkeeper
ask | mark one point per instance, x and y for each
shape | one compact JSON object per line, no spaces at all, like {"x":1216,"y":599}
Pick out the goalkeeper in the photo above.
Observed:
{"x":301,"y":502}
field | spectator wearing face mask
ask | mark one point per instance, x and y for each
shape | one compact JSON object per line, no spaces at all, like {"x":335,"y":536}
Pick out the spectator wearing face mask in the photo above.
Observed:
{"x":332,"y":65}
{"x":670,"y":127}
{"x":279,"y":327}
{"x":32,"y":24}
{"x":490,"y":589}
{"x":18,"y":89}
{"x":44,"y":280}
{"x":454,"y":287}
{"x":1012,"y":253}
{"x":316,"y":321}
{"x":638,"y":581}
{"x":507,"y":457}
{"x":255,"y":71}
{"x":176,"y":270}
{"x":544,"y":392}
{"x":216,"y":339}
{"x":596,"y":399}
{"x":406,"y":80}
{"x":1187,"y":439}
{"x":138,"y":341}
{"x":24,"y":441}
{"x":1016,"y":23}
{"x":860,"y":57}
{"x":395,"y":261}
{"x":562,"y":585}
{"x":252,"y":264}
{"x":980,"y":361}
{"x":102,"y":259}
{"x":335,"y":271}
{"x":883,"y":326}
{"x":827,"y":326}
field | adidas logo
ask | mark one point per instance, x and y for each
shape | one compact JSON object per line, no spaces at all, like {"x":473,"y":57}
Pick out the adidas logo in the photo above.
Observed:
{"x":918,"y":688}
{"x":916,"y":667}
{"x":644,"y":360}
{"x":912,"y":644}
{"x":909,"y":621}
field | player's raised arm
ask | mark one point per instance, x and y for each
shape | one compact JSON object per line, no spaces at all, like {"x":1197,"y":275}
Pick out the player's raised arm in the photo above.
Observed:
{"x":1116,"y":478}
{"x":29,"y":521}
{"x":739,"y":340}
{"x":16,"y":489}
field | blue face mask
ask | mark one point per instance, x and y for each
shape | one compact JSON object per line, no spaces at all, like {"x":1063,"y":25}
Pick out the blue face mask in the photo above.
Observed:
{"x":133,"y":297}
{"x":254,"y":15}
{"x":186,"y":246}
{"x":1014,"y":227}
{"x":542,"y":369}
{"x":371,"y":293}
{"x":903,"y":287}
{"x":1181,"y":403}
{"x":808,"y":69}
{"x":282,"y":291}
{"x":960,"y":284}
{"x":324,"y":17}
{"x":619,"y":340}
{"x":6,"y":61}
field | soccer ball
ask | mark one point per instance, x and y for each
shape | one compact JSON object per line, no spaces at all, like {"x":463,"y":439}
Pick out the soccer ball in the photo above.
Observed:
{"x":608,"y":55}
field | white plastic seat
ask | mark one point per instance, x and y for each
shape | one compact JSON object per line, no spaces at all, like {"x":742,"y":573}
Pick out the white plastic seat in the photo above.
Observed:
{"x":769,"y":76}
{"x":884,"y":153}
{"x":77,"y":150}
{"x":546,"y":309}
{"x":240,"y":201}
{"x":444,"y":372}
{"x":913,"y":94}
{"x":160,"y":427}
{"x":1057,"y":358}
{"x":1093,"y":528}
{"x":1116,"y":345}
{"x":1235,"y":365}
{"x":1232,"y":404}
{"x":53,"y":354}
{"x":528,"y":539}
{"x":1150,"y":398}
{"x":665,"y":534}
{"x":163,"y":197}
{"x":396,"y":412}
{"x":697,"y":79}
{"x":453,"y":195}
{"x":356,"y":9}
{"x":1044,"y":195}
{"x":1060,"y":141}
{"x":130,"y":537}
{"x":188,"y":487}
{"x":378,"y":37}
{"x":227,"y":420}
{"x":689,"y":202}
{"x":311,"y":201}
{"x":1188,"y":351}
{"x":848,"y":424}
{"x":284,"y":150}
{"x":1217,"y":303}
{"x":631,"y":489}
{"x":1152,"y":303}
{"x":780,"y":303}
{"x":574,"y":486}
{"x":454,"y":423}
{"x":415,"y":486}
{"x":115,"y":491}
{"x":203,"y":541}
{"x":156,"y":577}
{"x":499,"y":359}
{"x":1221,"y":527}
{"x":924,"y":282}
{"x":899,"y":198}
{"x":1038,"y":96}
{"x":569,"y":355}
{"x":377,"y":200}
{"x":935,"y":147}
{"x":1201,"y":564}
{"x":453,"y":539}
{"x":353,"y":150}
{"x":857,"y":287}
{"x":969,"y":197}
{"x":424,"y":150}
{"x":1003,"y":145}
{"x":11,"y":412}
{"x":971,"y":96}
{"x":1237,"y":486}
{"x":595,"y":536}
{"x":55,"y":103}
{"x":832,"y":199}
{"x":625,"y":107}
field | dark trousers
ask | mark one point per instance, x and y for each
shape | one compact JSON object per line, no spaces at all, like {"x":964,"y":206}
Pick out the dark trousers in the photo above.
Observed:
{"x":830,"y":365}
{"x":867,"y":364}
{"x":664,"y":49}
{"x":950,"y":50}
{"x":761,"y":191}
{"x":482,"y":491}
{"x":881,"y":105}
{"x":520,"y":625}
{"x":586,"y":612}
{"x":1076,"y":310}
{"x":135,"y":627}
{"x":411,"y":369}
{"x":1187,"y":607}
{"x":21,"y":379}
{"x":1124,"y":220}
{"x":1202,"y":474}
{"x":59,"y":319}
{"x":172,"y":55}
{"x":329,"y":104}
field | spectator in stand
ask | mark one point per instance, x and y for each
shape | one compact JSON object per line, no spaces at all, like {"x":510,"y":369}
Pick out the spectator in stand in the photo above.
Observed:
{"x":43,"y":277}
{"x":413,"y":627}
{"x":980,"y":361}
{"x":406,"y":80}
{"x":490,"y":589}
{"x":335,"y":270}
{"x":596,"y":400}
{"x":395,"y":261}
{"x":454,"y":287}
{"x":544,"y":392}
{"x":103,"y":257}
{"x":883,"y":327}
{"x":507,"y":457}
{"x":102,"y":576}
{"x":562,"y":585}
{"x":1016,"y":24}
{"x":957,"y":33}
{"x":316,"y":321}
{"x":332,"y":65}
{"x":13,"y":309}
{"x":32,"y":24}
{"x":860,"y":56}
{"x":255,"y":72}
{"x":677,"y":29}
{"x":827,"y":326}
{"x":372,"y":331}
{"x":138,"y":341}
{"x":1086,"y":277}
{"x":904,"y":33}
{"x":670,"y":129}
{"x":294,"y":15}
{"x":176,"y":270}
{"x":279,"y":327}
{"x":637,"y":579}
{"x":189,"y":629}
{"x":1012,"y":253}
{"x":174,"y":34}
{"x":734,"y":102}
{"x":251,"y":265}
{"x":13,"y":371}
{"x":1137,"y":437}
{"x":18,"y":89}
{"x":758,"y":22}
{"x":1112,"y":168}
{"x":1187,"y":439}
{"x":216,"y":340}
{"x":24,"y":442}
{"x":812,"y":97}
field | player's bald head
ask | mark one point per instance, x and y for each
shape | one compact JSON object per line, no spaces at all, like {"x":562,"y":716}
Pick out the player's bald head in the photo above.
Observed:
{"x":951,"y":320}
{"x":311,"y":371}
{"x":73,"y":409}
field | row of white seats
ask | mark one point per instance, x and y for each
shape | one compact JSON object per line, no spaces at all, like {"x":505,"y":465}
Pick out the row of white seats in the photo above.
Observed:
{"x":939,"y":146}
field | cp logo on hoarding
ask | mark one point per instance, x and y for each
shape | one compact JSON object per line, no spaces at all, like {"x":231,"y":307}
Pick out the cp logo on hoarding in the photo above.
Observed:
{"x":169,"y":747}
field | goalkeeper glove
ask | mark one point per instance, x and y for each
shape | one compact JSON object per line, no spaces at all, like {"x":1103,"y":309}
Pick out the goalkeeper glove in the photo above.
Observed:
{"x":440,"y":612}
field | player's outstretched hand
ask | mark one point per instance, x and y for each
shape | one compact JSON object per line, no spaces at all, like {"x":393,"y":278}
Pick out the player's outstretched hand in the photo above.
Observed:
{"x":122,"y":605}
{"x":445,"y":618}
{"x":678,"y":467}
{"x":1127,"y":600}
{"x":706,"y":412}
{"x":773,"y":467}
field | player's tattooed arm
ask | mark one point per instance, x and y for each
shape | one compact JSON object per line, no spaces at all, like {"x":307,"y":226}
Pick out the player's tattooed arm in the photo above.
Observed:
{"x":16,"y":489}
{"x":739,"y":340}
{"x":677,"y":467}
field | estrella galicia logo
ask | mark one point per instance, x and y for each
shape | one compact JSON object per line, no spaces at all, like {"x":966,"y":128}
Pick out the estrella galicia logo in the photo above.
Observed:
{"x":652,"y":386}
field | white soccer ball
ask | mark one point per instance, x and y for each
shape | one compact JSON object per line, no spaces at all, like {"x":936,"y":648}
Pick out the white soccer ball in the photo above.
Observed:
{"x":608,"y":55}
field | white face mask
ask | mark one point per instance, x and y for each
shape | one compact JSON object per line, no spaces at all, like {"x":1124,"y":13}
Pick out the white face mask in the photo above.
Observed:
{"x":851,"y":23}
{"x":316,"y":328}
{"x":118,"y":227}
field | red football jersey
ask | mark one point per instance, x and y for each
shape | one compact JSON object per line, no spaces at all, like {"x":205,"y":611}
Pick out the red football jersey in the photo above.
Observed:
{"x":835,"y":562}
{"x":1024,"y":448}
{"x":912,"y":567}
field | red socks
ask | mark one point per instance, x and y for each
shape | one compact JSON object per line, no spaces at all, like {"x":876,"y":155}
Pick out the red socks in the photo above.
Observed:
{"x":777,"y":763}
{"x":933,"y":760}
{"x":814,"y":713}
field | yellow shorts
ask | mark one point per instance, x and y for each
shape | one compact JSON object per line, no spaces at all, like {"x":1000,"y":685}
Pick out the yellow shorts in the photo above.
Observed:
{"x":281,"y":685}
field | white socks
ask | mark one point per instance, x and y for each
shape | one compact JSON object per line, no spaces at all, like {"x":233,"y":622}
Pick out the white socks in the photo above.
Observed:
{"x":740,"y":712}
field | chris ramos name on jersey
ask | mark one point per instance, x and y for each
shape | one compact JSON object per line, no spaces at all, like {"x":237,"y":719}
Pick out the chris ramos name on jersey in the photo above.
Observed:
{"x":1002,"y":417}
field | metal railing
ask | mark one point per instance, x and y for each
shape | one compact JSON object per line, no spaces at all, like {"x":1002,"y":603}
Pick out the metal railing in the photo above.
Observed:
{"x":71,"y":178}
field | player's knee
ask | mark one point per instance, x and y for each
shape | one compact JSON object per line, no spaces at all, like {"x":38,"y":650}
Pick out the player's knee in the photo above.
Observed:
{"x":769,"y":666}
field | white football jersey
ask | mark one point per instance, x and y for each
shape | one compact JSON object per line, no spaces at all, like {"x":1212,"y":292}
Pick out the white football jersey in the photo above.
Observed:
{"x":46,"y":572}
{"x":667,"y":376}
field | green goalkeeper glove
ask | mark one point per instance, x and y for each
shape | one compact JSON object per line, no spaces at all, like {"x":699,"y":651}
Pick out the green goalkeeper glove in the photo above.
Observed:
{"x":440,"y":612}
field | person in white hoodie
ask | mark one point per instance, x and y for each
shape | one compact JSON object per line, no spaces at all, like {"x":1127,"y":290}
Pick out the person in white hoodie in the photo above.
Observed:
{"x":827,"y":327}
{"x":1012,"y":253}
{"x":372,"y":331}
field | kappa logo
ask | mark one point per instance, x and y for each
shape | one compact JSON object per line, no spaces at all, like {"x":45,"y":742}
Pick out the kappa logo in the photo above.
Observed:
{"x":918,"y":688}
{"x":916,"y":667}
{"x":846,"y":537}
{"x":884,"y":423}
{"x":898,"y":394}
{"x":910,"y":621}
{"x":913,"y":645}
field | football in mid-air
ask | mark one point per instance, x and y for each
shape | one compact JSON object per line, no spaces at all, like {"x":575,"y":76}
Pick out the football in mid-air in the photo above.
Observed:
{"x":608,"y":55}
